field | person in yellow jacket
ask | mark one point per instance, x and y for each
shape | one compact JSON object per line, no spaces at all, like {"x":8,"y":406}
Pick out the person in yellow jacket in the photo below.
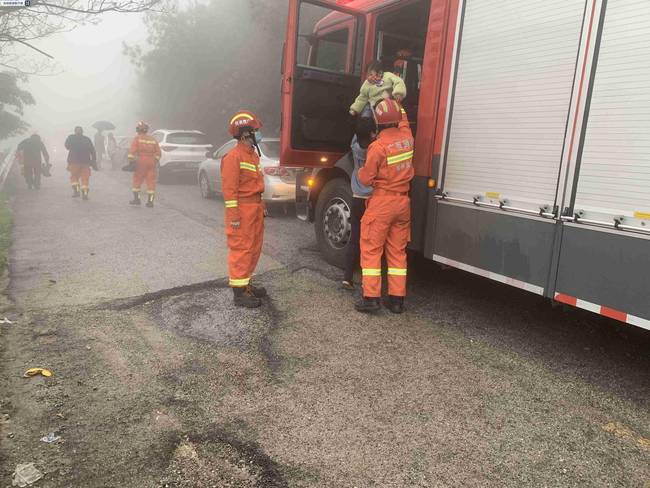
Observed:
{"x":378,"y":85}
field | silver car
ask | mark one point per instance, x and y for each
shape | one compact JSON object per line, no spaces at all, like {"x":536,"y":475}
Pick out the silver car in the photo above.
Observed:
{"x":279,"y":182}
{"x":181,"y":151}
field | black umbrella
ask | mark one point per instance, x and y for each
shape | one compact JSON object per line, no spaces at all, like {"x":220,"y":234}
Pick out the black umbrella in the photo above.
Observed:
{"x":103,"y":125}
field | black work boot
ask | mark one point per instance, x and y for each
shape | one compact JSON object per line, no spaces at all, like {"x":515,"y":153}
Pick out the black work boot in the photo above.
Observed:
{"x":84,"y":194}
{"x":368,"y":305}
{"x":150,"y":200}
{"x":257,"y":291}
{"x":394,"y":304}
{"x":75,"y":191}
{"x":136,"y":199}
{"x":244,"y":298}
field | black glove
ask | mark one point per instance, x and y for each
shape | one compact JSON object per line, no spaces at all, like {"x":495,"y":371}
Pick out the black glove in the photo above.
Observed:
{"x":129,"y":167}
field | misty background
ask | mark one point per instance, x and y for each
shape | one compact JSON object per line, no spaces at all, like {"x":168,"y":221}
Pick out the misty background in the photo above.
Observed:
{"x":189,"y":67}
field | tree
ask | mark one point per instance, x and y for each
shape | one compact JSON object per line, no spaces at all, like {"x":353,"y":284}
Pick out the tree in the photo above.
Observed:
{"x":21,"y":27}
{"x":12,"y":101}
{"x":210,"y":59}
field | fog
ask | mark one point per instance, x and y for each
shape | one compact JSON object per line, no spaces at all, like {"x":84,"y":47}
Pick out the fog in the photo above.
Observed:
{"x":94,"y":80}
{"x":194,"y":74}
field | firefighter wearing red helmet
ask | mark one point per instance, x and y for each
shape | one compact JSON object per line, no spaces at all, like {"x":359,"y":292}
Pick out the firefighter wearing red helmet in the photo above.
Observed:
{"x":242,"y":185}
{"x":386,"y":223}
{"x":144,"y":154}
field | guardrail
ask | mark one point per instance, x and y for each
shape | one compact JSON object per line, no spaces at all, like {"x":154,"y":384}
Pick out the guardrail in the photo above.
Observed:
{"x":5,"y":167}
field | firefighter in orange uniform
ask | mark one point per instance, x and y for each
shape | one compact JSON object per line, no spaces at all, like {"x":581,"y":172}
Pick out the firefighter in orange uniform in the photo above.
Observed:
{"x":145,"y":153}
{"x":242,"y":185}
{"x":81,"y":157}
{"x":386,"y":224}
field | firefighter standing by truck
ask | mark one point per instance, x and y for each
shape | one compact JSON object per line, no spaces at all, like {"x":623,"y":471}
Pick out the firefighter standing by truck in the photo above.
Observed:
{"x":144,"y":155}
{"x":386,"y":223}
{"x":242,"y":186}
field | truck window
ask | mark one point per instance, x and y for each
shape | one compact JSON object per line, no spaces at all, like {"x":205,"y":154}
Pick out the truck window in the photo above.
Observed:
{"x":324,"y":39}
{"x":400,"y":43}
{"x":324,"y":79}
{"x":330,"y":51}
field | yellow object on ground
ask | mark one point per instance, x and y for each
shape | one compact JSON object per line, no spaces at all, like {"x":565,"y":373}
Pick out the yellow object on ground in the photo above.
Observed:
{"x":36,"y":371}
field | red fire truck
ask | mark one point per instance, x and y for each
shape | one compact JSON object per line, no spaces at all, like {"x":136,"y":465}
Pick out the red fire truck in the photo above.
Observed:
{"x":532,"y":136}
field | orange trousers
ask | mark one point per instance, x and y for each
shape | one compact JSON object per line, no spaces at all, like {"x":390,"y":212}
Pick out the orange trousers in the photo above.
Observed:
{"x":245,"y":243}
{"x":385,"y":227}
{"x":145,"y":171}
{"x":79,"y":175}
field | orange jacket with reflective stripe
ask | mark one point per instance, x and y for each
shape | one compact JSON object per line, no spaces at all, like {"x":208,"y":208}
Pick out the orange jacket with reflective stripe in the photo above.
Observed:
{"x":144,"y":149}
{"x":389,"y":164}
{"x":241,"y":177}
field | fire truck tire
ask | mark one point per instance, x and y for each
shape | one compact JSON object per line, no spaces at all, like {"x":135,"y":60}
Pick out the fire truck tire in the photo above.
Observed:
{"x":332,"y":220}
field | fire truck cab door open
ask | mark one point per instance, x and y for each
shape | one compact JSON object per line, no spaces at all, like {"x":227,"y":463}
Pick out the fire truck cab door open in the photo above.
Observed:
{"x":321,"y":76}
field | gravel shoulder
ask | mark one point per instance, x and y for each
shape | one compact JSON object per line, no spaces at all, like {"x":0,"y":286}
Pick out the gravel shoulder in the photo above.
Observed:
{"x":171,"y":386}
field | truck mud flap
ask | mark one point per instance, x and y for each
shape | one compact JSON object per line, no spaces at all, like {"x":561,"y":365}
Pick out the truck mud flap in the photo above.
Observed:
{"x":303,"y":204}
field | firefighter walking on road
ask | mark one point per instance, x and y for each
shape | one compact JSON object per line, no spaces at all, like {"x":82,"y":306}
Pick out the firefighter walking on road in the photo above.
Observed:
{"x":386,"y":223}
{"x":81,"y":157}
{"x":242,"y":186}
{"x":144,"y":154}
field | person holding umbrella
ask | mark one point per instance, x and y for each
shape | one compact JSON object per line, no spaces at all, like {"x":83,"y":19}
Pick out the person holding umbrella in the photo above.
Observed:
{"x":100,"y":141}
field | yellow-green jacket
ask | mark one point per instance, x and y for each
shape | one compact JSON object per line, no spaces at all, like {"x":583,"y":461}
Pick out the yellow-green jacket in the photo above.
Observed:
{"x":371,"y":93}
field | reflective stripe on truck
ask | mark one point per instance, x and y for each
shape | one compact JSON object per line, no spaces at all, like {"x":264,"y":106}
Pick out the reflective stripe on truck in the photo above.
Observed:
{"x":602,"y":310}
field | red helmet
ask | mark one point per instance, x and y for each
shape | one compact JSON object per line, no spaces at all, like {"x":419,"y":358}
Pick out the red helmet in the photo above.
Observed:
{"x":388,"y":112}
{"x":243,"y":120}
{"x":142,"y":127}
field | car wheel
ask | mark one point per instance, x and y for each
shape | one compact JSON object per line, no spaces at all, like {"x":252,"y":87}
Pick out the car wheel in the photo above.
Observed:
{"x":164,"y":176}
{"x":333,"y":220}
{"x":204,"y":186}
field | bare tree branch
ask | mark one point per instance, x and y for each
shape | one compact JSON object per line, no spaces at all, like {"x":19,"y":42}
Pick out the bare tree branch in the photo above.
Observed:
{"x":24,"y":25}
{"x":30,"y":46}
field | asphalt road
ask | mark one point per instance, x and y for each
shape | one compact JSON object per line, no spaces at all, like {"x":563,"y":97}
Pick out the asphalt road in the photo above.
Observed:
{"x":159,"y":381}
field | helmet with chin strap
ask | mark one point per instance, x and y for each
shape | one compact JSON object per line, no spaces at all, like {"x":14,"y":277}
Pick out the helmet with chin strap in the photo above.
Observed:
{"x":242,"y":122}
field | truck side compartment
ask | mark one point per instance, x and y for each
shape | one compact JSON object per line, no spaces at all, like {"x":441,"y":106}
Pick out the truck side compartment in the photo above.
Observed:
{"x":547,"y":164}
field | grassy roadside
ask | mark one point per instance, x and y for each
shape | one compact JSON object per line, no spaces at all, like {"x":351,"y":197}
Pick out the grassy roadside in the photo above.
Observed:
{"x":6,"y":220}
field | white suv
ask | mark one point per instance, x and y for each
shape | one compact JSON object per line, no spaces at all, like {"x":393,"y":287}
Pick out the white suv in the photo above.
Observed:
{"x":181,"y":151}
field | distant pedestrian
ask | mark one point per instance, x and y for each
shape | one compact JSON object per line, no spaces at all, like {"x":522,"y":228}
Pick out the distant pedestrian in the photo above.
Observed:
{"x":111,"y":148}
{"x":81,"y":157}
{"x":31,"y":152}
{"x":100,"y":147}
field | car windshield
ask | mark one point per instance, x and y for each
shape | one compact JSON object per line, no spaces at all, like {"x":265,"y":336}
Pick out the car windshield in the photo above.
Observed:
{"x":191,"y":138}
{"x":270,"y":149}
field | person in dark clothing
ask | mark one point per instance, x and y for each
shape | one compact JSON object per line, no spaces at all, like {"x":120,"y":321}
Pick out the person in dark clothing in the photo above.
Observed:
{"x":81,"y":157}
{"x":365,"y":132}
{"x":32,"y":152}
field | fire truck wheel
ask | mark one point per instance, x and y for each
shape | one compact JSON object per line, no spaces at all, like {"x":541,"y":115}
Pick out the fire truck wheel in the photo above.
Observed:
{"x":333,"y":222}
